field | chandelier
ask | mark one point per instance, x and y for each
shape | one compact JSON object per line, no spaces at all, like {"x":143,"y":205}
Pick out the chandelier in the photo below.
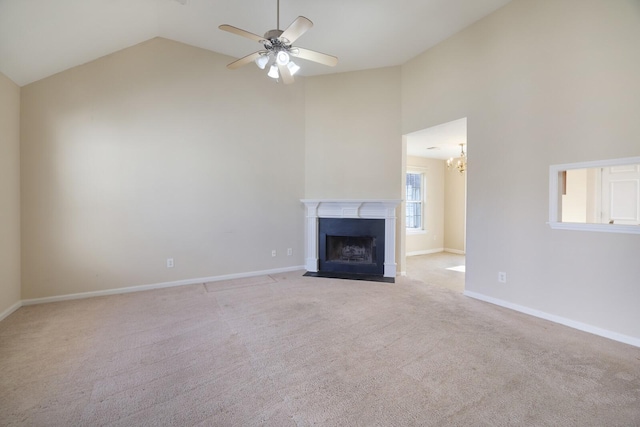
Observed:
{"x":461,"y":163}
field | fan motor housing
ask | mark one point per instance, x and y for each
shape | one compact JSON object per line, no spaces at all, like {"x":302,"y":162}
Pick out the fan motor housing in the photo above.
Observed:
{"x":273,"y":34}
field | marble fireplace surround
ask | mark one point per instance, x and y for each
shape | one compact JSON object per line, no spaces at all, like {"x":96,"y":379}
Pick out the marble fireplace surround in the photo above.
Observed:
{"x":358,"y":209}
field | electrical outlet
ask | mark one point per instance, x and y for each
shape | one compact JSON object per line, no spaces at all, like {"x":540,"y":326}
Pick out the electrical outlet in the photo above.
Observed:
{"x":502,"y":277}
{"x":289,"y":252}
{"x":273,"y":252}
{"x":169,"y":262}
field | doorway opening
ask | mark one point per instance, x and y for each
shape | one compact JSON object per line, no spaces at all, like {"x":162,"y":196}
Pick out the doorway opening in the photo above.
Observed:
{"x":434,"y":211}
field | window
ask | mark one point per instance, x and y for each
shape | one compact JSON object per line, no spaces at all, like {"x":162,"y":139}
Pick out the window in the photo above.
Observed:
{"x":415,"y":200}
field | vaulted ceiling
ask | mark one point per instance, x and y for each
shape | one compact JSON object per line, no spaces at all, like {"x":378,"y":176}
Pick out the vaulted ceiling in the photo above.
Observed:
{"x":39,"y":38}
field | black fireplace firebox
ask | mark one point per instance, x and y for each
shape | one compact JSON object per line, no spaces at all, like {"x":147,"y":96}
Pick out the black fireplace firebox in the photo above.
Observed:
{"x":353,"y":246}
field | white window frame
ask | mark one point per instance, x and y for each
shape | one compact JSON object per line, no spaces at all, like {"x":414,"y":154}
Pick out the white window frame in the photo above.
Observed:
{"x":423,"y":182}
{"x":555,"y":194}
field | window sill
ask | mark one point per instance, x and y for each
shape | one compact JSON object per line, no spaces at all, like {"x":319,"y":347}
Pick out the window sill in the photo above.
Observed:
{"x":605,"y":228}
{"x":416,"y":231}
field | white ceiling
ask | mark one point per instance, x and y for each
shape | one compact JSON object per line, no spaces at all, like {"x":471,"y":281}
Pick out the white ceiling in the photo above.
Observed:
{"x":438,"y":142}
{"x":39,"y":38}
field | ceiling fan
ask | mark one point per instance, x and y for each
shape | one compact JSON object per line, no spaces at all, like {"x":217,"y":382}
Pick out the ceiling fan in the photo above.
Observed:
{"x":278,"y":49}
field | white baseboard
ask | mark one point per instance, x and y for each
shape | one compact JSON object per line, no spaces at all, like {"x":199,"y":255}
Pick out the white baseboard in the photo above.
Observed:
{"x":157,"y":286}
{"x":10,"y":310}
{"x":425,"y":252}
{"x":557,"y":319}
{"x":454,"y":251}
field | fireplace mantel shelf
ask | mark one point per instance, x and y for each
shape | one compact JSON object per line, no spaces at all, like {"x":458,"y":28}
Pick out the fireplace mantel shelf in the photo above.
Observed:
{"x":351,"y":208}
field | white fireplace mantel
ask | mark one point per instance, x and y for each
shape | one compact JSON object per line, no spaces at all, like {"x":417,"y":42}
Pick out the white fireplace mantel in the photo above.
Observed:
{"x":342,"y":208}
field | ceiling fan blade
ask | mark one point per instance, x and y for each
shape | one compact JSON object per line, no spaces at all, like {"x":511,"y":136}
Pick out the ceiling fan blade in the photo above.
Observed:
{"x":243,"y":61}
{"x":312,"y":55}
{"x":243,"y":33}
{"x":297,"y":28}
{"x":285,"y":74}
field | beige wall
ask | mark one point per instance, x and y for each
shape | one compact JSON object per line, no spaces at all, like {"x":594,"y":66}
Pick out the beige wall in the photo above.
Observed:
{"x":541,"y":83}
{"x":574,"y":202}
{"x":353,"y":139}
{"x":445,"y":209}
{"x":432,"y":239}
{"x":158,"y":151}
{"x":455,"y":191}
{"x":9,"y":194}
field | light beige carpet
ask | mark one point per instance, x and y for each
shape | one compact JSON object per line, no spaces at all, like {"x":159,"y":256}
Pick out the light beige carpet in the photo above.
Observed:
{"x":287,"y":350}
{"x":436,"y":269}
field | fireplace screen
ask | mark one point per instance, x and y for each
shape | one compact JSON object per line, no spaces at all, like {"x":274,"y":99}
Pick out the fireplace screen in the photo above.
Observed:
{"x":351,"y":245}
{"x":351,"y":249}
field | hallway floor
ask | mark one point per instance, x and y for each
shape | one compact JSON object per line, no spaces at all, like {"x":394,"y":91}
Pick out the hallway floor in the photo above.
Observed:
{"x":433,"y":270}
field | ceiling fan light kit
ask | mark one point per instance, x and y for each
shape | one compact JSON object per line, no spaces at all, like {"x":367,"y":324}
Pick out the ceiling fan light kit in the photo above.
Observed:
{"x":282,"y":58}
{"x":278,"y":49}
{"x":261,"y":61}
{"x":273,"y":72}
{"x":293,"y":67}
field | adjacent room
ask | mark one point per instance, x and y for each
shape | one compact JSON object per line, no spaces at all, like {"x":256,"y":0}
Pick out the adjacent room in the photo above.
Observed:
{"x":435,"y":204}
{"x":165,"y":171}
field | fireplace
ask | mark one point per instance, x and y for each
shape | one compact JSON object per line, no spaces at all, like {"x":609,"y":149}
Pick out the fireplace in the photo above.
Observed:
{"x":352,"y":237}
{"x":349,"y":245}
